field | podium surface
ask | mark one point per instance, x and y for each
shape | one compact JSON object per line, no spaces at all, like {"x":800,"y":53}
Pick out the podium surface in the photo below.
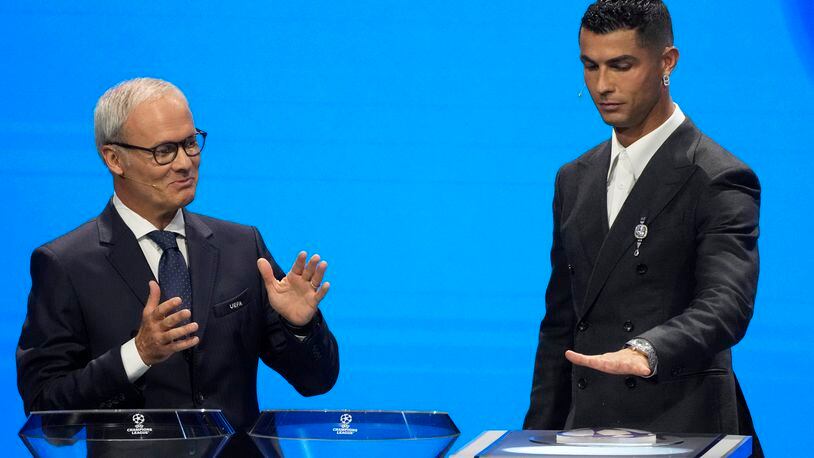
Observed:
{"x":315,"y":433}
{"x":126,"y":433}
{"x":533,"y":443}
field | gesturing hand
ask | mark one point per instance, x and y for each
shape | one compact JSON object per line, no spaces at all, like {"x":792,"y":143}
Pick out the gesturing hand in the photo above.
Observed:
{"x":156,"y":338}
{"x":622,"y":362}
{"x":296,"y":296}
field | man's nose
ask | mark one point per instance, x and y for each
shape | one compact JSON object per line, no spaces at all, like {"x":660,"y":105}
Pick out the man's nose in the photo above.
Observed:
{"x":182,"y":159}
{"x":604,"y":83}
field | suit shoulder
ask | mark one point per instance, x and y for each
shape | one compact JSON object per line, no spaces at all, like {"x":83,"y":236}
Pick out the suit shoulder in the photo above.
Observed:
{"x":569,"y":168}
{"x":714,"y":160}
{"x":221,"y":224}
{"x":228,"y":231}
{"x":76,"y":242}
{"x":592,"y":153}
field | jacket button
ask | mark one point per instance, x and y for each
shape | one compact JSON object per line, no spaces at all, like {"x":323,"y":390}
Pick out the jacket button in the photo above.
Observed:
{"x":676,"y":371}
{"x":641,"y":269}
{"x":628,"y":326}
{"x":582,"y":383}
{"x":570,"y":269}
{"x":199,"y":398}
{"x":630,"y":382}
{"x":582,"y":326}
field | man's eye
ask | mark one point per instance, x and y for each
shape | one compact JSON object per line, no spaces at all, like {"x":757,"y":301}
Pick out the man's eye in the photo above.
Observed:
{"x":191,"y":142}
{"x":167,"y":149}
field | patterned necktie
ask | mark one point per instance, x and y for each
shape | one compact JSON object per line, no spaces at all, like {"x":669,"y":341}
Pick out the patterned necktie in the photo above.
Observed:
{"x":622,"y":181}
{"x":173,"y":275}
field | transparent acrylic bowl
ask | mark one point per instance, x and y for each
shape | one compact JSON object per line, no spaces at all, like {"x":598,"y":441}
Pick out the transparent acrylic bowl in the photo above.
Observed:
{"x":368,"y":433}
{"x":126,"y":433}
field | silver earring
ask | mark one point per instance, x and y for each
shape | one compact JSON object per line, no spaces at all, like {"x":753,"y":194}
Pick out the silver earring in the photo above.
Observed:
{"x":665,"y":79}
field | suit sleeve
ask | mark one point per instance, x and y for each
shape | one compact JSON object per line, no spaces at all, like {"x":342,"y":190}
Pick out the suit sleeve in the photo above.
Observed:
{"x":311,"y":365}
{"x":551,"y":384}
{"x":55,"y":370}
{"x":726,"y":274}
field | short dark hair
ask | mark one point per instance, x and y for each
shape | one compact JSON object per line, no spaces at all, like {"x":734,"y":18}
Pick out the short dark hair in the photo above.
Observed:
{"x":649,"y":18}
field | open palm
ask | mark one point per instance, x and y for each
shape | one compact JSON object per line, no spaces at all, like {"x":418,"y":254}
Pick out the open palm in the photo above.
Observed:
{"x":296,"y":296}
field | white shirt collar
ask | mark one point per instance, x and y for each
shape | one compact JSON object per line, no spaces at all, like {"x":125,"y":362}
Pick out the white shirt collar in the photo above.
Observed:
{"x":140,"y":226}
{"x":643,"y":149}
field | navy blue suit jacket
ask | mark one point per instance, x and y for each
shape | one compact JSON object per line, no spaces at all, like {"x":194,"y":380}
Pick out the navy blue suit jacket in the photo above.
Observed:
{"x":87,"y":295}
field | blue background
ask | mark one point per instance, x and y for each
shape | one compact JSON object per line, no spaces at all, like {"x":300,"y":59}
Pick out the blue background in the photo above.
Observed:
{"x":413,"y":144}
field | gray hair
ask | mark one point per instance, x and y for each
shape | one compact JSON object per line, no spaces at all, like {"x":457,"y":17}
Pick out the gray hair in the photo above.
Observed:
{"x":116,"y":104}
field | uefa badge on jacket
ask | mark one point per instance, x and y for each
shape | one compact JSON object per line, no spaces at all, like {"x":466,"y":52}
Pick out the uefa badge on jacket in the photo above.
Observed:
{"x":640,"y":232}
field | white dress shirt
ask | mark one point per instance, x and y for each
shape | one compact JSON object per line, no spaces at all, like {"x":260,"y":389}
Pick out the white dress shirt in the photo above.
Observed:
{"x":133,"y":364}
{"x":628,"y":163}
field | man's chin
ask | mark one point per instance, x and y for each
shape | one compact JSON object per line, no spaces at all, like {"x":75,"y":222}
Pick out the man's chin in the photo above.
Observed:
{"x":186,"y":199}
{"x":616,"y":120}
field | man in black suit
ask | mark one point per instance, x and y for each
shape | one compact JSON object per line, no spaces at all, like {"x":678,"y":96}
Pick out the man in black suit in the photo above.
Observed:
{"x":654,"y":254}
{"x":100,"y":332}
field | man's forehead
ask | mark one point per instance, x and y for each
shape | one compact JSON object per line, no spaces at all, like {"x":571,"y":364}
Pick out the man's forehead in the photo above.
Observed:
{"x":165,"y":115}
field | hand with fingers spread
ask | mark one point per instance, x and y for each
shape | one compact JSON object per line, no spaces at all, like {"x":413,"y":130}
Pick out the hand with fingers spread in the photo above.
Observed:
{"x":623,"y":362}
{"x":296,"y":296}
{"x":159,"y":335}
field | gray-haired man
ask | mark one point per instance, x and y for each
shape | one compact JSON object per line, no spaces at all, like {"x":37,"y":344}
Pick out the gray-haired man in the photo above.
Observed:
{"x":101,"y":332}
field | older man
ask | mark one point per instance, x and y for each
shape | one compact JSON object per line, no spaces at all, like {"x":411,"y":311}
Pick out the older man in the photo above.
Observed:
{"x":101,"y":332}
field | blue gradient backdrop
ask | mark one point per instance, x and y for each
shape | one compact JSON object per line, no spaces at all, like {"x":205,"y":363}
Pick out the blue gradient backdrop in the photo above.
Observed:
{"x":414,"y":145}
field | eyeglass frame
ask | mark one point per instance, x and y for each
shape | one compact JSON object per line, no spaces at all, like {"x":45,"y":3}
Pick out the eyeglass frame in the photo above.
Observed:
{"x":177,"y":145}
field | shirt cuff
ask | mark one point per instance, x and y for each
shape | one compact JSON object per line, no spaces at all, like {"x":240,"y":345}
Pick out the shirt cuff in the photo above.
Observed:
{"x":134,"y":367}
{"x":646,"y":348}
{"x":304,"y":331}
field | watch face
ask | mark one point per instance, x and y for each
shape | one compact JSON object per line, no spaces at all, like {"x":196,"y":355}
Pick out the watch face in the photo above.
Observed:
{"x":646,"y":350}
{"x":638,"y":349}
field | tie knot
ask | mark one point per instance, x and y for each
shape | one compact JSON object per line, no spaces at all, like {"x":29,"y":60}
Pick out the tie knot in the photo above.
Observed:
{"x":164,"y":239}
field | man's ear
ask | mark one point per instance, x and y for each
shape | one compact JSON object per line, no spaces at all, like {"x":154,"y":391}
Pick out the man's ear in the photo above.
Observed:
{"x":669,"y":60}
{"x":113,"y":160}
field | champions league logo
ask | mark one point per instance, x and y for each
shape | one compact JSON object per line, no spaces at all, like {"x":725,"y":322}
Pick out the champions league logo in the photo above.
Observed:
{"x":344,"y":420}
{"x":138,"y":428}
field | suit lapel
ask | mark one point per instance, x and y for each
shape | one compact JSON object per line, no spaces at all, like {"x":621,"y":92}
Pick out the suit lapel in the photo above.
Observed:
{"x":663,"y":177}
{"x":124,"y":252}
{"x":203,"y":266}
{"x":592,"y":201}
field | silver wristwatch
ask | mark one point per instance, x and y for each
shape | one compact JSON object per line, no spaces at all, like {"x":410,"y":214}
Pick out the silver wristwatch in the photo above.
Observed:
{"x":646,"y":348}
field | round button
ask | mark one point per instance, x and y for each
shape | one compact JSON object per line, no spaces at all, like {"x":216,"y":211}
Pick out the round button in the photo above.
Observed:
{"x":582,"y":326}
{"x":630,"y":382}
{"x":582,"y":383}
{"x":199,"y":398}
{"x":628,"y":326}
{"x":641,"y":269}
{"x":570,"y":269}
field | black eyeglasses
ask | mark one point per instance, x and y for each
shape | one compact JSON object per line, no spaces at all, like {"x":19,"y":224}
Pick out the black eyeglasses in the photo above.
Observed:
{"x":165,"y":153}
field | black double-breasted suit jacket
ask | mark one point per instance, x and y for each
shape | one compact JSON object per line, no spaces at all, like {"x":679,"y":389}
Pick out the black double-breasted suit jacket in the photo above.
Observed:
{"x":690,"y":291}
{"x":87,"y":296}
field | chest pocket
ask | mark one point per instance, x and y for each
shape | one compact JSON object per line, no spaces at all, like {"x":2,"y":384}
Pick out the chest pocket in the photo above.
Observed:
{"x":232,"y":305}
